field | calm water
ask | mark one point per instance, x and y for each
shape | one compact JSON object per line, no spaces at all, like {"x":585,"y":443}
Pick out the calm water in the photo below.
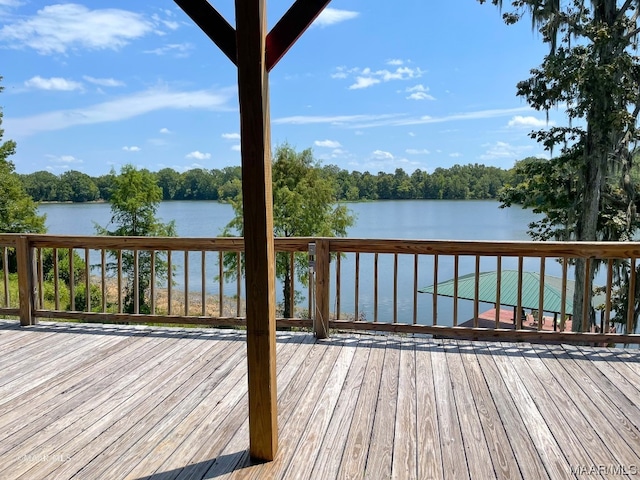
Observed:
{"x":414,"y":219}
{"x":410,"y":219}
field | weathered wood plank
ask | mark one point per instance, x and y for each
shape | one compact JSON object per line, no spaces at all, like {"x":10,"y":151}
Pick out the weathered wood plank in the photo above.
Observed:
{"x":75,"y":429}
{"x":380,"y":454}
{"x":454,"y":457}
{"x":428,"y":434}
{"x":501,"y":451}
{"x":519,"y":439}
{"x":405,"y":454}
{"x":354,"y":458}
{"x":475,"y":443}
{"x":327,"y":462}
{"x":547,"y":447}
{"x":225,"y":459}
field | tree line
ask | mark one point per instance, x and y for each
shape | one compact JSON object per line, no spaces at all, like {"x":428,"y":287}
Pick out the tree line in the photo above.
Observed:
{"x":460,"y":182}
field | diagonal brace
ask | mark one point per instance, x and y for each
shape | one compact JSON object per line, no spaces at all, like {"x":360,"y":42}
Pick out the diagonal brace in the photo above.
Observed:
{"x":289,"y":28}
{"x":212,"y":24}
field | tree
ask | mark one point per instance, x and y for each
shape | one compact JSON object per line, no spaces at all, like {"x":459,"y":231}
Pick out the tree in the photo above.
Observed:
{"x":81,"y":186}
{"x":134,"y":202}
{"x":591,"y":70}
{"x":18,"y":212}
{"x":304,"y":205}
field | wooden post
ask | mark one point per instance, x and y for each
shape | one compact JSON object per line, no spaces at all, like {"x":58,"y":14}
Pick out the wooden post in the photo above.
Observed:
{"x":321,"y":314}
{"x":26,"y":280}
{"x":253,"y":91}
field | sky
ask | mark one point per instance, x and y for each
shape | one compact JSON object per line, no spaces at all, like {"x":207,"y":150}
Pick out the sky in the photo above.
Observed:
{"x":372,"y":85}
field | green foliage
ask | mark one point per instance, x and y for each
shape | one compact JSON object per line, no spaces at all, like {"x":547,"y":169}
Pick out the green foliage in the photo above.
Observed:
{"x":134,"y":202}
{"x":18,"y":212}
{"x":592,"y":71}
{"x":460,"y":182}
{"x":304,"y":205}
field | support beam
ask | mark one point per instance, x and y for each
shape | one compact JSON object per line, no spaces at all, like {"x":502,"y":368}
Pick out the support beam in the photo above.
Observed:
{"x":212,"y":24}
{"x":289,"y":28}
{"x":255,"y":141}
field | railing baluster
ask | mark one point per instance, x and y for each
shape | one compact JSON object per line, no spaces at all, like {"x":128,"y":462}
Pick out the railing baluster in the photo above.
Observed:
{"x":238,"y":286}
{"x":203,"y":283}
{"x":292,"y":276}
{"x":456,"y":268}
{"x":119,"y":275}
{"x":338,"y":273}
{"x":375,"y":287}
{"x":476,"y":293}
{"x":26,"y":280}
{"x":5,"y":272}
{"x":152,"y":286}
{"x":563,"y":313}
{"x":220,"y":284}
{"x":498,"y":289}
{"x":186,"y":283}
{"x":607,"y":307}
{"x":87,"y":279}
{"x":103,"y":278}
{"x":40,"y":279}
{"x":435,"y":290}
{"x":541,"y":293}
{"x":415,"y":288}
{"x":72,"y":281}
{"x":632,"y":299}
{"x":518,"y":312}
{"x":56,"y":278}
{"x":357,"y":287}
{"x":586,"y":307}
{"x":395,"y":288}
{"x":169,"y":282}
{"x":136,"y":281}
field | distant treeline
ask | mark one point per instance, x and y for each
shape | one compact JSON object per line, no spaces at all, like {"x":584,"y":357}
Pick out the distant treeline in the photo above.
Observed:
{"x":460,"y":182}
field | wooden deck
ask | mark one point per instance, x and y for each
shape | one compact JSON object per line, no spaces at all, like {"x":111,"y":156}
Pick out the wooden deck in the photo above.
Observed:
{"x":91,"y":401}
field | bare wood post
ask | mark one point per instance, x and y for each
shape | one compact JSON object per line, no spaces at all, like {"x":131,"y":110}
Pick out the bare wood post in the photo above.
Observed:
{"x":321,"y":314}
{"x":26,"y":281}
{"x":257,"y":197}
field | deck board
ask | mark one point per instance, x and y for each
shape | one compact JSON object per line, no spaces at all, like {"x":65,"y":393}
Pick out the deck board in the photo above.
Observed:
{"x":98,"y":401}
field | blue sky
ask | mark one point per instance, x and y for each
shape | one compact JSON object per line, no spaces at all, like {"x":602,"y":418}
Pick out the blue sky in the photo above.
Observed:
{"x":371,"y":86}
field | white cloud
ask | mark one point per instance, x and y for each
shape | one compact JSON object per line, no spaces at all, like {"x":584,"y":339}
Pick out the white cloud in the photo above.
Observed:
{"x":178,"y":49}
{"x":231,"y":136}
{"x":395,"y":61}
{"x":332,"y":119}
{"x":419,"y":92}
{"x":165,"y":131}
{"x":104,"y":82}
{"x":366,"y":77}
{"x":415,"y":151}
{"x":331,"y":16}
{"x":56,"y":29}
{"x":53,"y":83}
{"x":455,"y":155}
{"x":131,"y":149}
{"x":327,"y":143}
{"x":236,"y":148}
{"x":363,"y":82}
{"x":411,"y":134}
{"x":198,"y":155}
{"x":502,"y":150}
{"x":120,"y":109}
{"x":64,"y":159}
{"x":529,"y":121}
{"x":382,"y":155}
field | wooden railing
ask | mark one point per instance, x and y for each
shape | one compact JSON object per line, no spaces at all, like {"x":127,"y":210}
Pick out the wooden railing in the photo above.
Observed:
{"x":359,"y":284}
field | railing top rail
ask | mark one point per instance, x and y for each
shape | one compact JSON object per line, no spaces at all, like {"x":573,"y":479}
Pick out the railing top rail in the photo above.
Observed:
{"x":363,"y":245}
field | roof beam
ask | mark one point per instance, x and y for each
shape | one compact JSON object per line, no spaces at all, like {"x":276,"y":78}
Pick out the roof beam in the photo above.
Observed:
{"x":213,"y":25}
{"x":289,"y":28}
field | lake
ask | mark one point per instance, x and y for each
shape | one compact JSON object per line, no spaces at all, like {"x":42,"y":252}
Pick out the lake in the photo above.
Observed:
{"x":408,"y":219}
